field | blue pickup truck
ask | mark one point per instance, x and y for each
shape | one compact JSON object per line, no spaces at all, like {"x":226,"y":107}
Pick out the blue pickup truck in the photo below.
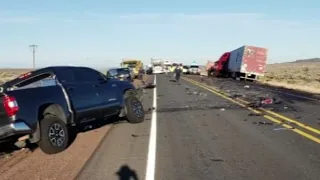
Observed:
{"x":46,"y":104}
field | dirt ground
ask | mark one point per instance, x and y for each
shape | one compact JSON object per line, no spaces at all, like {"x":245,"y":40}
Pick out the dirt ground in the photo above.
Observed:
{"x":304,"y":76}
{"x":34,"y":164}
{"x":8,"y":74}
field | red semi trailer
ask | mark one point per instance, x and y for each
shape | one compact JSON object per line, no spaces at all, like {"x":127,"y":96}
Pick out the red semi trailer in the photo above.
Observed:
{"x":246,"y":62}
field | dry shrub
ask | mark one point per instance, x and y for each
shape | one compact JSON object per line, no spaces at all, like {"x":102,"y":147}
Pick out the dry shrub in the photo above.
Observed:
{"x":306,"y":75}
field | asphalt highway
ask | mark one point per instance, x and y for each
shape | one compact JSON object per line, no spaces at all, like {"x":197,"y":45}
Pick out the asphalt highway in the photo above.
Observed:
{"x":192,"y":133}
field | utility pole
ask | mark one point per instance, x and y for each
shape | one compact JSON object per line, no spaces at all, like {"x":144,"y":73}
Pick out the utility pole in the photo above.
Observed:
{"x":33,"y":46}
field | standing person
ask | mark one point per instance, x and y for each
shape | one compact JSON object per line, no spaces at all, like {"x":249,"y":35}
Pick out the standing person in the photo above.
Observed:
{"x":177,"y":72}
{"x":140,"y":75}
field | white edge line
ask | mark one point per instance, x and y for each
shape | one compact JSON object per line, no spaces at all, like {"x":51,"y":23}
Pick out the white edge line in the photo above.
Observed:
{"x":151,"y":161}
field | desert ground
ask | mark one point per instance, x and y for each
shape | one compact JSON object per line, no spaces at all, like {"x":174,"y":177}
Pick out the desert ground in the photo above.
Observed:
{"x":304,"y":76}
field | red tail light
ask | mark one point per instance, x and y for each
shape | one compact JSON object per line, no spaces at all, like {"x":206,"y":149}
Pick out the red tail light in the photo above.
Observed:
{"x":10,"y":105}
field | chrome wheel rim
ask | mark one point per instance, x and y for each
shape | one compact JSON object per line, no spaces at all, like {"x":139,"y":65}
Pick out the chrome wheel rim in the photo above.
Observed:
{"x":56,"y":135}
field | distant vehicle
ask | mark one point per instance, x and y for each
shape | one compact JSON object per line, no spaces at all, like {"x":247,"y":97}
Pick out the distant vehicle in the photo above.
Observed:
{"x":45,"y":105}
{"x":246,"y":62}
{"x":185,"y":70}
{"x":167,"y":65}
{"x":194,"y":69}
{"x":134,"y":64}
{"x":157,"y":66}
{"x":121,"y":74}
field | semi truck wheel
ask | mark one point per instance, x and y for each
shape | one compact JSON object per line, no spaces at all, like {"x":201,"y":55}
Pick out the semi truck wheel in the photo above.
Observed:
{"x":54,"y":135}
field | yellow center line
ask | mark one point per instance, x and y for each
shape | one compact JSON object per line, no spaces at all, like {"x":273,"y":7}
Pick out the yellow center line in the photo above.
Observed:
{"x":272,"y":113}
{"x":286,"y":118}
{"x":302,"y":133}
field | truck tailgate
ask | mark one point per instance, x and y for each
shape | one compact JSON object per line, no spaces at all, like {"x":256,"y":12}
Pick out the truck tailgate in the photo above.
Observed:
{"x":254,"y":60}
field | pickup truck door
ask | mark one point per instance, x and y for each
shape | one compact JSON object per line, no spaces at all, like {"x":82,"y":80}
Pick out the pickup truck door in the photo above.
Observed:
{"x":83,"y":94}
{"x":110,"y":97}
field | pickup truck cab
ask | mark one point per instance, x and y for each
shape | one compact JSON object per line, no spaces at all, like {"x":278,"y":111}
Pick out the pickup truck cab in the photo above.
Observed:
{"x":44,"y":105}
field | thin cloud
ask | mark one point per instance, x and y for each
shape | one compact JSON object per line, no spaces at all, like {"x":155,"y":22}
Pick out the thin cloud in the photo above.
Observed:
{"x":231,"y":19}
{"x":18,"y":19}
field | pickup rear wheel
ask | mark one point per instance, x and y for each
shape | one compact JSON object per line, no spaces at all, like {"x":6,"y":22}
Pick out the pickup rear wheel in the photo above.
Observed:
{"x":54,"y":135}
{"x":134,"y":110}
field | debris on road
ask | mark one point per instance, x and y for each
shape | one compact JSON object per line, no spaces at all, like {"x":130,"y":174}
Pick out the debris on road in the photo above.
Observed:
{"x":267,"y":101}
{"x":283,"y":129}
{"x":149,"y":86}
{"x":134,"y":135}
{"x":263,"y":123}
{"x":255,"y":114}
{"x":217,"y":160}
{"x":222,"y":109}
{"x":247,"y":86}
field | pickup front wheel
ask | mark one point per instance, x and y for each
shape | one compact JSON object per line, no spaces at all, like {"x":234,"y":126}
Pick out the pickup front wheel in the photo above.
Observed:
{"x":54,"y":135}
{"x":134,"y":110}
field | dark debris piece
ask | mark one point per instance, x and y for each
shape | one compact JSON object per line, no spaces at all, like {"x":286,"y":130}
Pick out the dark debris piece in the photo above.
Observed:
{"x":263,"y":123}
{"x":255,"y":114}
{"x":217,"y":160}
{"x":134,"y":135}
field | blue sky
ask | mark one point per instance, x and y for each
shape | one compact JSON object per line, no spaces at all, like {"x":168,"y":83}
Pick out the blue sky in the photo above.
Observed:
{"x":99,"y":33}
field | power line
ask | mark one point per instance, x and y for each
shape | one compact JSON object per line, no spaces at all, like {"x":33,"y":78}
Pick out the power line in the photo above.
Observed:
{"x":33,"y":46}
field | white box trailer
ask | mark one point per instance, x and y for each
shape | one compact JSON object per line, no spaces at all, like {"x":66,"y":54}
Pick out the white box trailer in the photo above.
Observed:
{"x":248,"y":62}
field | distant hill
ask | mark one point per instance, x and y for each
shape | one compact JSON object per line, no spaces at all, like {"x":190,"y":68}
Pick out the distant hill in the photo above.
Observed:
{"x":307,"y":60}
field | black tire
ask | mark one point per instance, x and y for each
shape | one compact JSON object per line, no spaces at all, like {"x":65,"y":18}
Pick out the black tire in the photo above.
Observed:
{"x":134,"y":110}
{"x":46,"y":144}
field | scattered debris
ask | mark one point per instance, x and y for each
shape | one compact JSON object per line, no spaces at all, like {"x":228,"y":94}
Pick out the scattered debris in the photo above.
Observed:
{"x":149,"y":86}
{"x":282,"y":129}
{"x":267,"y":101}
{"x":266,"y":123}
{"x":247,"y":86}
{"x":217,"y":160}
{"x":202,"y":94}
{"x":236,"y":95}
{"x":150,"y":109}
{"x":263,"y":122}
{"x":222,"y":109}
{"x":134,"y":135}
{"x":255,"y":114}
